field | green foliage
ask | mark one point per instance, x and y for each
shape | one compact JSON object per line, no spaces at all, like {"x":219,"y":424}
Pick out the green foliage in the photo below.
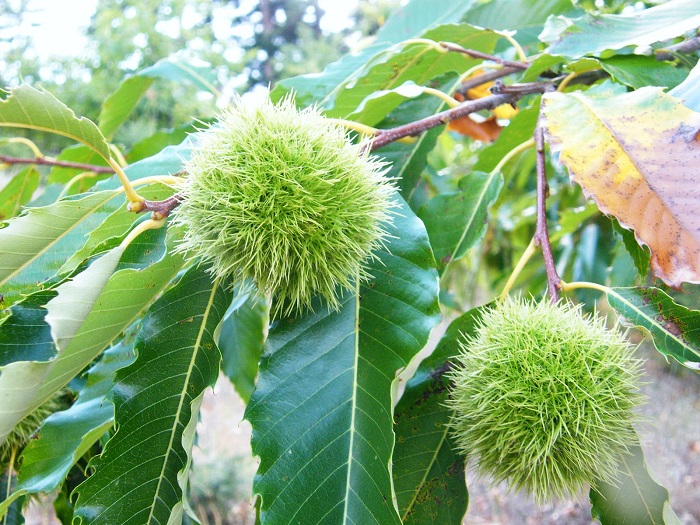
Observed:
{"x":544,"y":397}
{"x":303,"y":231}
{"x":309,"y":263}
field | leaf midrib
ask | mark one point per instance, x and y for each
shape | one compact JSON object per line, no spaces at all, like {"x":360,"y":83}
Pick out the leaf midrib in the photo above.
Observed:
{"x":183,"y":394}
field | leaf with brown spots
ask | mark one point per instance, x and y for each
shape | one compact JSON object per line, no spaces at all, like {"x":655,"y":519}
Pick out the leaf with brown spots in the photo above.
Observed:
{"x":637,"y":155}
{"x":674,"y":329}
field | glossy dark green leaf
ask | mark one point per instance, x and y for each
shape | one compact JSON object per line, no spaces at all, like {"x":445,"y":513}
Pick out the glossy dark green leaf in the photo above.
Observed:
{"x":674,"y":329}
{"x":518,"y":131}
{"x":241,"y":342}
{"x":428,"y":470}
{"x":637,"y":499}
{"x":322,"y":408}
{"x":456,"y":221}
{"x":141,"y":475}
{"x":24,"y":334}
{"x":594,"y":34}
{"x":18,"y":192}
{"x":638,"y":71}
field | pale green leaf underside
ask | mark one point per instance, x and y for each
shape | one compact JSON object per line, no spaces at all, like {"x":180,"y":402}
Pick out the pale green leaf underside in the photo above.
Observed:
{"x":31,"y":108}
{"x":638,"y":499}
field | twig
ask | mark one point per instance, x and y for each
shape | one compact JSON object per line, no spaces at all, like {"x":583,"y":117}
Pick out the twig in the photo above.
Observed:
{"x":478,"y":54}
{"x":412,"y":129}
{"x":541,"y":236}
{"x":59,"y":163}
{"x":160,"y":209}
{"x":486,"y":77}
{"x":687,"y":46}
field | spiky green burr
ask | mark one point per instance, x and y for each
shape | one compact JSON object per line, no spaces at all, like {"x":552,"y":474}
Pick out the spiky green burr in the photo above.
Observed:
{"x":544,"y":398}
{"x":282,"y":198}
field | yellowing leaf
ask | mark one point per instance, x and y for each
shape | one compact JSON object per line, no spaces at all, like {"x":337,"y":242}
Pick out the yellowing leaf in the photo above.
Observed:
{"x":637,"y":154}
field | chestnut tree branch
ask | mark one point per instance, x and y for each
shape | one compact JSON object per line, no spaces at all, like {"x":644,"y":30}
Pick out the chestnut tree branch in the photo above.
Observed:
{"x":687,"y":46}
{"x":160,"y":209}
{"x":412,"y":129}
{"x":541,"y":237}
{"x":45,"y":161}
{"x":478,"y":54}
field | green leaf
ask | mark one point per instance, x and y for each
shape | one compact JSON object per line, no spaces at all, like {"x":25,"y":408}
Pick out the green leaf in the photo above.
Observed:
{"x":518,"y":131}
{"x":31,"y":108}
{"x":638,"y":499}
{"x":639,"y":254}
{"x":38,"y":242}
{"x":638,"y":71}
{"x":411,"y":20}
{"x":75,"y":153}
{"x":322,"y":408}
{"x":160,"y":140}
{"x":674,"y":329}
{"x":509,"y":15}
{"x":594,"y":34}
{"x":14,"y":515}
{"x":18,"y":192}
{"x":688,"y":90}
{"x":65,"y":436}
{"x":407,"y":22}
{"x":322,"y":88}
{"x":156,"y":402}
{"x":125,"y":297}
{"x":76,"y":297}
{"x":24,"y":335}
{"x":241,"y":342}
{"x":428,"y":471}
{"x":456,"y":221}
{"x":413,"y":62}
{"x":379,"y":104}
{"x":119,"y":105}
{"x":115,"y":226}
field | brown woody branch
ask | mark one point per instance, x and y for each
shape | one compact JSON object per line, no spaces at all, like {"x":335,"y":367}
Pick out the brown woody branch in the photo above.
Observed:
{"x":159,"y":209}
{"x":486,"y":77}
{"x":45,"y":161}
{"x":485,"y":56}
{"x":541,"y":236}
{"x":511,"y":96}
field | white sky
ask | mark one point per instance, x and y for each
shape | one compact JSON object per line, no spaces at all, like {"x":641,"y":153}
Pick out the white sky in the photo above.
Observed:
{"x":57,"y":27}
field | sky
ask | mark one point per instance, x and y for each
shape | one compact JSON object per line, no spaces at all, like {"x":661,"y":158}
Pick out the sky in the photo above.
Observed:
{"x":57,"y":27}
